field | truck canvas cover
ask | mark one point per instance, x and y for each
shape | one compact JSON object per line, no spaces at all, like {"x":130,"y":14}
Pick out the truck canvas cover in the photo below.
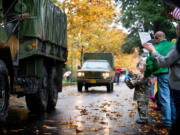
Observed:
{"x":100,"y":56}
{"x":46,"y":22}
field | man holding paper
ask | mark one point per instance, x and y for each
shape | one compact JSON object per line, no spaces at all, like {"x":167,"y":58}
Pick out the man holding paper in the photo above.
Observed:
{"x":168,"y":109}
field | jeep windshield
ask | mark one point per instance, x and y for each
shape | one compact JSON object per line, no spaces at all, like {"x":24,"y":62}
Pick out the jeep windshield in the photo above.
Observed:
{"x":96,"y":65}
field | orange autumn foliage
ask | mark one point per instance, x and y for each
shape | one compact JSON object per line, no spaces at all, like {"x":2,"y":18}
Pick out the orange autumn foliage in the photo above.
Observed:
{"x":89,"y":30}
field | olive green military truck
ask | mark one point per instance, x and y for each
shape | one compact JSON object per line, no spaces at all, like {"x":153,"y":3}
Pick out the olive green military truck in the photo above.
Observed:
{"x":33,"y":52}
{"x":97,"y":70}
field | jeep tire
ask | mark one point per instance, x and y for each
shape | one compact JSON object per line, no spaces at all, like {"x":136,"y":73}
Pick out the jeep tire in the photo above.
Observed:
{"x":86,"y":87}
{"x":79,"y":87}
{"x":109,"y":87}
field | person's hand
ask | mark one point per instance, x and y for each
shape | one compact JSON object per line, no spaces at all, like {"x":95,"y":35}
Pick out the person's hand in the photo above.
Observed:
{"x":141,"y":76}
{"x":149,"y":47}
{"x":130,"y":73}
{"x":25,"y":15}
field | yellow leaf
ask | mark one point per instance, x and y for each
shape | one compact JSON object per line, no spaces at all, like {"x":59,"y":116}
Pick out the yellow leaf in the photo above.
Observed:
{"x":121,"y":125}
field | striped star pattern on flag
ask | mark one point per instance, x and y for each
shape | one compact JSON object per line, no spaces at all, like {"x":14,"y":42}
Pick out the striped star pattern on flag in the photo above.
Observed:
{"x":176,"y":13}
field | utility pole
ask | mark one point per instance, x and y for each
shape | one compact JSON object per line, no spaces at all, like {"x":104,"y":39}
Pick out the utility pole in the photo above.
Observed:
{"x":71,"y":61}
{"x":81,"y":60}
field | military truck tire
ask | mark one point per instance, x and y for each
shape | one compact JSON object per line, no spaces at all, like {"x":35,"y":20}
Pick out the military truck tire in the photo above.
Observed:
{"x":112,"y":87}
{"x":37,"y":103}
{"x":86,"y":87}
{"x":79,"y":86}
{"x":52,"y":90}
{"x":109,"y":87}
{"x":4,"y":91}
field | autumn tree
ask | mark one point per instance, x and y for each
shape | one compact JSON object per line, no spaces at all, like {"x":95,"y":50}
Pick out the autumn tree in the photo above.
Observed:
{"x":89,"y":27}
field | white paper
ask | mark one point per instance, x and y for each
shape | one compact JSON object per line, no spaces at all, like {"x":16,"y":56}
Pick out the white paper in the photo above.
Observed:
{"x":144,"y":37}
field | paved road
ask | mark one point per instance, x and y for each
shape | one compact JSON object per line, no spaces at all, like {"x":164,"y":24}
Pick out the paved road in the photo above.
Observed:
{"x":95,"y":112}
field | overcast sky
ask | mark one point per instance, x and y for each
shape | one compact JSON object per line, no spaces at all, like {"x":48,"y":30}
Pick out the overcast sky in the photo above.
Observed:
{"x":61,"y":0}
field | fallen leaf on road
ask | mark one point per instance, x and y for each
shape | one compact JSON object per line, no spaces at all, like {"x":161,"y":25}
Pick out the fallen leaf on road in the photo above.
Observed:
{"x":48,"y":127}
{"x":98,"y":128}
{"x":134,"y":104}
{"x":79,"y":129}
{"x":37,"y":131}
{"x":105,"y":110}
{"x":119,"y":115}
{"x":51,"y":121}
{"x":132,"y":123}
{"x":103,"y":122}
{"x":98,"y":101}
{"x":16,"y":131}
{"x":114,"y":112}
{"x":47,"y":133}
{"x":121,"y":125}
{"x":131,"y":115}
{"x":162,"y":132}
{"x":82,"y":121}
{"x":112,"y":118}
{"x":146,"y":130}
{"x":106,"y":104}
{"x":63,"y":123}
{"x":73,"y":126}
{"x":77,"y":108}
{"x":84,"y":112}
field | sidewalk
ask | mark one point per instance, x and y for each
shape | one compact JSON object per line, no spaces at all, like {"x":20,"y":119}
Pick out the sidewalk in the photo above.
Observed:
{"x":154,"y":121}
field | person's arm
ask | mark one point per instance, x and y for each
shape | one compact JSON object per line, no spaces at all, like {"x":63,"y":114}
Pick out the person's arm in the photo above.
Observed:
{"x":129,"y":83}
{"x":169,"y":59}
{"x":139,"y":81}
{"x":163,"y":61}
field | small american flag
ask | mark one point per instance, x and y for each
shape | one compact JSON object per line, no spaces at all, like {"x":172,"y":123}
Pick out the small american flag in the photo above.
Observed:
{"x":176,"y":13}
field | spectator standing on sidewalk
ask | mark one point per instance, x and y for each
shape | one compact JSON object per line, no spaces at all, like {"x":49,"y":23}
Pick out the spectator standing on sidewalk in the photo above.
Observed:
{"x":117,"y":75}
{"x":141,"y":92}
{"x":164,"y":98}
{"x":171,"y":60}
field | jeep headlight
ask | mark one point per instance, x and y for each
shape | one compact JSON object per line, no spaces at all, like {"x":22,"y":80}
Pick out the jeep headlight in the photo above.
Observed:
{"x":80,"y":74}
{"x":106,"y":74}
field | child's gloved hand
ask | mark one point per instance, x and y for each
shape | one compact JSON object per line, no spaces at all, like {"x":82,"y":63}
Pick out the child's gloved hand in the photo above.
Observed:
{"x":130,"y":73}
{"x":129,"y":83}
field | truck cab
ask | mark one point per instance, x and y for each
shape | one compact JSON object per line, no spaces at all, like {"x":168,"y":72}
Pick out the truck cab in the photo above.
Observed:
{"x":97,"y":70}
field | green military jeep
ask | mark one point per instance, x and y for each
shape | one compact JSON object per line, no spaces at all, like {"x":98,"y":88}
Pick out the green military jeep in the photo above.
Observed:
{"x":97,"y":70}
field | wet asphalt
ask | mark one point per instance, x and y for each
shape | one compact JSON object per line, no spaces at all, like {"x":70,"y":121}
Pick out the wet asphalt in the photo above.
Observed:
{"x":95,"y":112}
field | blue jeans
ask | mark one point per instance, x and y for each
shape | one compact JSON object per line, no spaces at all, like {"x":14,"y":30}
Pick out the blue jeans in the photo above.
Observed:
{"x":166,"y":100}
